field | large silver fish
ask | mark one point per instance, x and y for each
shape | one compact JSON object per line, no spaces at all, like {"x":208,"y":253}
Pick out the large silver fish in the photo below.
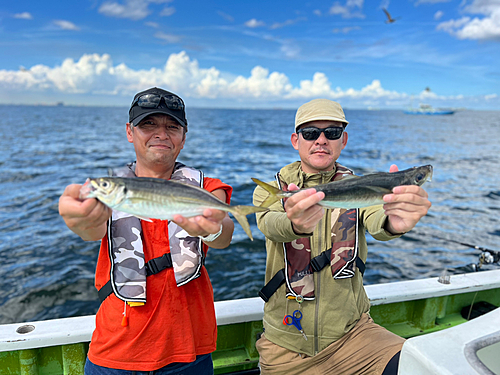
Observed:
{"x":154,"y":198}
{"x":356,"y":191}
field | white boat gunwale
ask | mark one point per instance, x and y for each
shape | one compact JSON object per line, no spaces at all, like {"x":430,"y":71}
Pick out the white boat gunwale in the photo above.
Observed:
{"x":75,"y":330}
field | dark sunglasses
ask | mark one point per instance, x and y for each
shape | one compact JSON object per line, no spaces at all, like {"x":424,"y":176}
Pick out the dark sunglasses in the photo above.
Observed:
{"x":311,"y":134}
{"x":153,"y":101}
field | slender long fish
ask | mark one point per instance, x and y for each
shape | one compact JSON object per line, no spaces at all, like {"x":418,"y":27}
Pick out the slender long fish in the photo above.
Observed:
{"x":154,"y":198}
{"x":356,"y":191}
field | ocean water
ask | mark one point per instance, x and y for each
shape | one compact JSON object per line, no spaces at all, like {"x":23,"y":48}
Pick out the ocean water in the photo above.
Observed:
{"x":47,"y":271}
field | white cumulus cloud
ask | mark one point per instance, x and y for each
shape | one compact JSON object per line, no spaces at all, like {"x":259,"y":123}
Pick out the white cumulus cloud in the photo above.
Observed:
{"x":261,"y":84}
{"x":95,"y":74}
{"x":477,"y":28}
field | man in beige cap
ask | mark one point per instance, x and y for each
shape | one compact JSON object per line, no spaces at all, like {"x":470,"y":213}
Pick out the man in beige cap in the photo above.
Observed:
{"x":316,"y":317}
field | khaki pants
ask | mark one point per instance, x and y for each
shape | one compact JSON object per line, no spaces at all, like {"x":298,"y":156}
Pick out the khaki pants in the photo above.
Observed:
{"x":366,"y":349}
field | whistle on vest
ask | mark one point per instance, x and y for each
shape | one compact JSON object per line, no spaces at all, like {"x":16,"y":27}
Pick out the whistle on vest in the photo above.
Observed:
{"x":125,"y":315}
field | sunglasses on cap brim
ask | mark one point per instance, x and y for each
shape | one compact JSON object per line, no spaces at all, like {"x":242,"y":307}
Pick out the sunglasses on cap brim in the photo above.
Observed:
{"x":153,"y":101}
{"x":312,"y":133}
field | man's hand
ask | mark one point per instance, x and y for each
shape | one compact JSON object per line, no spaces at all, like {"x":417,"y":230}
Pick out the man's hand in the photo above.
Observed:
{"x":203,"y":225}
{"x":86,"y":218}
{"x":209,"y":223}
{"x":303,"y":211}
{"x":405,"y":206}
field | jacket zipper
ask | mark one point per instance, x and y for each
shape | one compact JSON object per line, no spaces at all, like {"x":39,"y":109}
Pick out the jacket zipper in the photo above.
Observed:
{"x":322,"y":233}
{"x":321,"y":226}
{"x":316,"y":317}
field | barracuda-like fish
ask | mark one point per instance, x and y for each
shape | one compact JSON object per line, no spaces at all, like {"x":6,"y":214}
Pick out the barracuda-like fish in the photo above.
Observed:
{"x":356,"y":191}
{"x":154,"y":198}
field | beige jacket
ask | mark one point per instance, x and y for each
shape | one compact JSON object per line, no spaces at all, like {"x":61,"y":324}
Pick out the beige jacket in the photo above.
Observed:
{"x":339,"y":303}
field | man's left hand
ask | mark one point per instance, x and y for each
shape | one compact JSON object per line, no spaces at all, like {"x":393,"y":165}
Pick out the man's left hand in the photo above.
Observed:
{"x":405,"y":207}
{"x":209,"y":223}
{"x":203,"y":225}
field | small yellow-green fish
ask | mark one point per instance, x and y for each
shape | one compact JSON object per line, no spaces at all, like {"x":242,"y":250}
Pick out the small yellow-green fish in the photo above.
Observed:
{"x":155,"y":198}
{"x":356,"y":191}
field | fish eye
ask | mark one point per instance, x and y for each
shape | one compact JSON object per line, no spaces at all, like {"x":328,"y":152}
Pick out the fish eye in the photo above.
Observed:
{"x":420,"y":176}
{"x":104,"y":184}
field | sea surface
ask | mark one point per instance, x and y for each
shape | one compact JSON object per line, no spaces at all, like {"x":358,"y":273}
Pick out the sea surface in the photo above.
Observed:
{"x":47,"y":272}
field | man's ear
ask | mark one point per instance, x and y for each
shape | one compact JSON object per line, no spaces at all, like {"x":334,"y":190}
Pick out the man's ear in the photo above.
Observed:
{"x":295,"y":140}
{"x":344,"y":140}
{"x":130,"y":133}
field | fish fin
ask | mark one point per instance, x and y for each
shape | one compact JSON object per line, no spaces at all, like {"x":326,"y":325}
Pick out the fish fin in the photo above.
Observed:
{"x":274,"y":193}
{"x":240,"y":213}
{"x":379,"y":189}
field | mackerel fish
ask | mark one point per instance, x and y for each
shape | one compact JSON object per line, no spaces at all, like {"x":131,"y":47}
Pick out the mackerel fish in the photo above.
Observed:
{"x":155,"y":198}
{"x":355,"y":191}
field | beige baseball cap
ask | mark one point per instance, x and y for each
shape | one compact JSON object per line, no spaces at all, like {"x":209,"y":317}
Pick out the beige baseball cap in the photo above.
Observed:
{"x":319,"y":109}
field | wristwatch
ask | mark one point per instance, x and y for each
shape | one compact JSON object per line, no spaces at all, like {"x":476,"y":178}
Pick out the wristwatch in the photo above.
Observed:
{"x":212,"y":236}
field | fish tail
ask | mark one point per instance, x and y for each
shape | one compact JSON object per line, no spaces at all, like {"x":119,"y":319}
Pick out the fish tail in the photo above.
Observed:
{"x":240,"y":213}
{"x":275,"y":194}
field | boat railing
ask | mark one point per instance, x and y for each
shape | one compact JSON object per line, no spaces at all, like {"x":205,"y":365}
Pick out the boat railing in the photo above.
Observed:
{"x":79,"y":329}
{"x":407,"y":308}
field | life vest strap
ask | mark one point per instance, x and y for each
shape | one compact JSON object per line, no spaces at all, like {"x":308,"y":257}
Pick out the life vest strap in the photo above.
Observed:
{"x":105,"y":291}
{"x":317,"y":263}
{"x":154,"y":266}
{"x":322,"y":260}
{"x":273,"y":285}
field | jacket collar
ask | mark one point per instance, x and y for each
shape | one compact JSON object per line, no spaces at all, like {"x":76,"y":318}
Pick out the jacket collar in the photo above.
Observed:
{"x":293,"y":173}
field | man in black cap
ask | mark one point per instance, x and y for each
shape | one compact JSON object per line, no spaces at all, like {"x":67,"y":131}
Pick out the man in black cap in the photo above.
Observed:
{"x":157,"y":310}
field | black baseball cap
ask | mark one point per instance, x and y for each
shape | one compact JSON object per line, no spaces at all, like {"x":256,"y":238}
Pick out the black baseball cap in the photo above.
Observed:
{"x":156,"y":100}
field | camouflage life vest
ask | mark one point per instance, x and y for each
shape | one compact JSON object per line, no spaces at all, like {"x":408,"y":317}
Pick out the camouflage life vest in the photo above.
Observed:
{"x":299,"y":267}
{"x":128,"y":266}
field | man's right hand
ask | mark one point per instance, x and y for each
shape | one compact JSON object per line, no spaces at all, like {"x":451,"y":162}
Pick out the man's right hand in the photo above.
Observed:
{"x":303,"y":210}
{"x":86,"y":218}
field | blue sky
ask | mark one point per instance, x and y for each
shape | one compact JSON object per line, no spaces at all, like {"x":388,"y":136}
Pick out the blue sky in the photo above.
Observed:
{"x":258,"y":54}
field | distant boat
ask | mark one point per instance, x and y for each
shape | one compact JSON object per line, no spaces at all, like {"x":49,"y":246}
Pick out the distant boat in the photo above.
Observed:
{"x":426,"y":109}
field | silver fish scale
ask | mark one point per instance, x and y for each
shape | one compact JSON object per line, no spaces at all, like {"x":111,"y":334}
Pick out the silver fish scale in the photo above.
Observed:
{"x":163,"y":200}
{"x":163,"y":209}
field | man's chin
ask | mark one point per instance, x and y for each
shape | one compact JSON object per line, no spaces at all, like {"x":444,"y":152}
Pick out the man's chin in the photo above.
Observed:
{"x":321,"y":167}
{"x":321,"y":161}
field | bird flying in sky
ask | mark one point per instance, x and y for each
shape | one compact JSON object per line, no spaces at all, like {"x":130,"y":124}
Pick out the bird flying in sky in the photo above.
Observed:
{"x":389,"y":18}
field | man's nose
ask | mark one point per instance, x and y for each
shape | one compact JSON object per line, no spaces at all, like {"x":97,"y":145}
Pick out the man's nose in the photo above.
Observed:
{"x":161,"y":132}
{"x":322,"y":139}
